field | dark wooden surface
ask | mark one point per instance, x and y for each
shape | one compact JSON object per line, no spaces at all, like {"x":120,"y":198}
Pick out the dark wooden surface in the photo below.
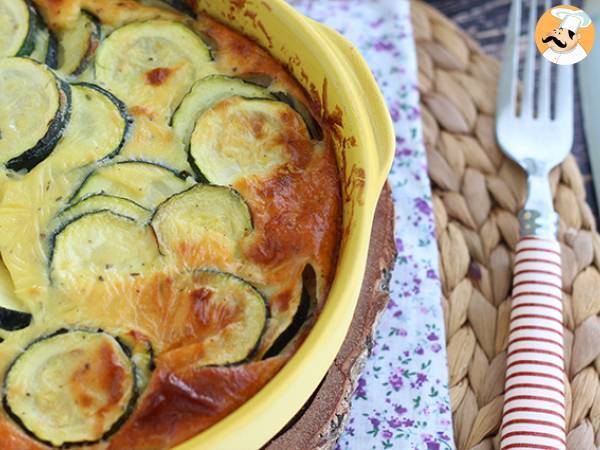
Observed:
{"x":485,"y":21}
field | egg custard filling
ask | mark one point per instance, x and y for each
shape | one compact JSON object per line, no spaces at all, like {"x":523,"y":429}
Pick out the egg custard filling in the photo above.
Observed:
{"x":170,"y":218}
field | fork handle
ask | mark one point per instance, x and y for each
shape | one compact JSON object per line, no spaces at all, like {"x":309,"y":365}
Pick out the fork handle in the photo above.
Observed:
{"x":534,"y":399}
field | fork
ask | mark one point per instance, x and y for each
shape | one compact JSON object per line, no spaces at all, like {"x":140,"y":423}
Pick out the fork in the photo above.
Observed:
{"x":534,"y":399}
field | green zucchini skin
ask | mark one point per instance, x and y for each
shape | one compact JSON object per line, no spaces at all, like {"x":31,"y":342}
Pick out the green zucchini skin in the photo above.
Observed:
{"x":42,"y":149}
{"x":77,"y":191}
{"x":142,"y":246}
{"x":52,"y":52}
{"x":123,"y":111}
{"x":218,"y":195}
{"x":315,"y":130}
{"x":114,"y":428}
{"x":198,"y":100}
{"x":198,"y":175}
{"x":11,"y":320}
{"x":93,"y":41}
{"x":300,"y":318}
{"x":61,"y":228}
{"x":143,"y":357}
{"x":256,"y":347}
{"x":29,"y":43}
{"x":49,"y":54}
{"x":182,"y":6}
{"x":72,"y":211}
{"x":13,"y":315}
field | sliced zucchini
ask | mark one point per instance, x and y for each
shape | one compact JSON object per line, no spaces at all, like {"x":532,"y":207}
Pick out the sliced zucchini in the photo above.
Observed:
{"x":18,"y":27}
{"x":293,"y":329}
{"x":218,"y":319}
{"x":145,"y":183}
{"x":77,"y":45}
{"x":152,"y":64}
{"x":204,"y":94}
{"x":99,"y":243}
{"x":177,"y":5}
{"x":240,"y":137}
{"x":99,"y":128}
{"x":200,"y":211}
{"x":142,"y":356}
{"x":13,"y":315}
{"x":46,"y":46}
{"x":34,"y":112}
{"x":102,"y":202}
{"x":72,"y":387}
{"x":315,"y":130}
{"x":52,"y":53}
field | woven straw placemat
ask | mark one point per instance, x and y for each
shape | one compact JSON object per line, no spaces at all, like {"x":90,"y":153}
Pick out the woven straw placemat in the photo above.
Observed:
{"x":477,"y":194}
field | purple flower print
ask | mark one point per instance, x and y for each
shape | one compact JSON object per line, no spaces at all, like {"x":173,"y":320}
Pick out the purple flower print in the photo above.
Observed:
{"x":408,"y":363}
{"x":375,"y":422}
{"x":432,"y":336}
{"x":395,"y":422}
{"x":360,"y":391}
{"x":421,"y":378}
{"x":378,"y":22}
{"x":432,"y":274}
{"x":383,"y":46}
{"x":396,"y":381}
{"x":408,"y":423}
{"x":399,"y":245}
{"x":400,"y":410}
{"x":423,"y":206}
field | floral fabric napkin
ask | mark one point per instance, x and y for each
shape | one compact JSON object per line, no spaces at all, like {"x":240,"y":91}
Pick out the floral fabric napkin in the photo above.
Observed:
{"x":401,"y":401}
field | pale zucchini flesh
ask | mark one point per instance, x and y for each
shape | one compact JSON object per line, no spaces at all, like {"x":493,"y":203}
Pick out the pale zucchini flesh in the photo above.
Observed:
{"x":204,"y":94}
{"x":77,"y":45}
{"x":145,"y":183}
{"x":34,"y":112}
{"x":13,"y":315}
{"x":232,"y":309}
{"x":99,"y":127}
{"x":45,"y":47}
{"x":152,"y":64}
{"x":17,"y":28}
{"x":240,"y":137}
{"x":98,"y":244}
{"x":72,"y":387}
{"x":203,"y":211}
{"x":102,"y":202}
{"x":142,"y":355}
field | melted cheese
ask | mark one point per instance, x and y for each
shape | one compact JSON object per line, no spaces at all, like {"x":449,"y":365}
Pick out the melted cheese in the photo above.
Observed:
{"x":29,"y":102}
{"x":293,"y":193}
{"x":14,"y":26}
{"x":86,"y":373}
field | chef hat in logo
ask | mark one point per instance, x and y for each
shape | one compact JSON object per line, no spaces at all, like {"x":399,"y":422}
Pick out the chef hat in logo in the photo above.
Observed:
{"x":571,"y":20}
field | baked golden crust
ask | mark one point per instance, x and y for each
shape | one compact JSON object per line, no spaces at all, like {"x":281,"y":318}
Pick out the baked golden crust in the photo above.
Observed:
{"x":296,"y":218}
{"x":184,"y":401}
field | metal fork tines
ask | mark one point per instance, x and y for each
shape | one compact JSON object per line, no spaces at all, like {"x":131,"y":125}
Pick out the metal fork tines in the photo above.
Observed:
{"x":537,"y":135}
{"x":527,"y":132}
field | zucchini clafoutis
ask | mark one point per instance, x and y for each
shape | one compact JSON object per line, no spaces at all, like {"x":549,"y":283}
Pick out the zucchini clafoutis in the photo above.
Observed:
{"x":165,"y":188}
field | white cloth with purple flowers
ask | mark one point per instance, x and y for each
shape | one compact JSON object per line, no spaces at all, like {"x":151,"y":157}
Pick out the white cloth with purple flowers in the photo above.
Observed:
{"x":401,"y":401}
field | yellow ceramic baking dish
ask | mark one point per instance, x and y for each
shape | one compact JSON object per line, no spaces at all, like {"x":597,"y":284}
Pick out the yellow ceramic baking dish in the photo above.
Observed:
{"x":333,"y":72}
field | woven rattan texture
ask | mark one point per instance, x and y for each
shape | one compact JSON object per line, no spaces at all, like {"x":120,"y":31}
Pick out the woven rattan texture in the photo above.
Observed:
{"x":477,"y":194}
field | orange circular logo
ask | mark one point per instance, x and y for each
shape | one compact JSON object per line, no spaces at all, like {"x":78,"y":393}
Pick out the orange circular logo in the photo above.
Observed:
{"x":564,"y":35}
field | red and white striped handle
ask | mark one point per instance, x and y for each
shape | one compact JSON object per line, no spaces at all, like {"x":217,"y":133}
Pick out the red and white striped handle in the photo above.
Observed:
{"x":534,"y":399}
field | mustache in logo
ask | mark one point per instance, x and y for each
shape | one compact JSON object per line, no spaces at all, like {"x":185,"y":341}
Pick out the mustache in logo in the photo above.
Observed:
{"x":556,"y":41}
